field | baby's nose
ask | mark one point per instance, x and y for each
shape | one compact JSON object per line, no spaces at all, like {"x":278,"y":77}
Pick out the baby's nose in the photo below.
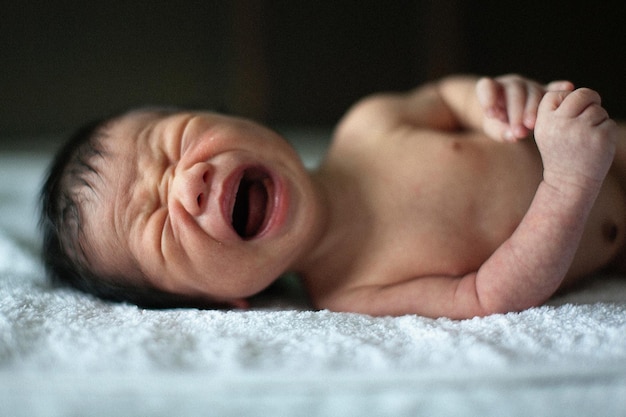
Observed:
{"x":192,"y":186}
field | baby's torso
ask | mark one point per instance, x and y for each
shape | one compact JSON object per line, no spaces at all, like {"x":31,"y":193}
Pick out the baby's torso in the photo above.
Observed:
{"x":427,"y":203}
{"x":443,"y":205}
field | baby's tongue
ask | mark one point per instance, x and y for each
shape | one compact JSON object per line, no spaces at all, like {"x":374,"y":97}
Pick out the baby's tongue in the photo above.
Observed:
{"x":257,"y":204}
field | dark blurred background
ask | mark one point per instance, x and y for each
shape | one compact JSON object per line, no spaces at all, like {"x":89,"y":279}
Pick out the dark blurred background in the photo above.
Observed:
{"x":284,"y":62}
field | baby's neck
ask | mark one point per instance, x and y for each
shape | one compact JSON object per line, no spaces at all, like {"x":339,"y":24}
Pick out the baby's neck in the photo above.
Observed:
{"x":343,"y":223}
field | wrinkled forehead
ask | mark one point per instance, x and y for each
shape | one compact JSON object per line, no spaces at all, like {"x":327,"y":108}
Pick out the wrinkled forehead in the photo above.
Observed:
{"x":129,"y":148}
{"x":127,"y":138}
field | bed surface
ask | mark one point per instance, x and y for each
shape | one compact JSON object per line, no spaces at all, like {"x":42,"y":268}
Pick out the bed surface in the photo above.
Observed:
{"x":64,"y":353}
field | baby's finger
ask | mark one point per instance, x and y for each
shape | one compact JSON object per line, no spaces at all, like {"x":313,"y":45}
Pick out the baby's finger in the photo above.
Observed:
{"x":489,"y":94}
{"x":552,"y":100}
{"x":578,"y":100}
{"x":534,"y":95}
{"x":596,"y":114}
{"x":560,"y":85}
{"x":516,"y":96}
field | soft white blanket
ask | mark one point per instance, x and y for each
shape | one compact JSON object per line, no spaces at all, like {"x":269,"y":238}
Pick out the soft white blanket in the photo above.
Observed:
{"x":64,"y":353}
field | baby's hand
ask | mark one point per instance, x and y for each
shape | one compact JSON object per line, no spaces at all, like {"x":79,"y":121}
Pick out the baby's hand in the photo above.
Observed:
{"x":510,"y":104}
{"x":576,"y":138}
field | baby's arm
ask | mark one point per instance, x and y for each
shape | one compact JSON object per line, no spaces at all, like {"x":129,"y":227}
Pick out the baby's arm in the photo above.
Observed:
{"x":504,"y":107}
{"x":424,"y":106}
{"x":577,"y":141}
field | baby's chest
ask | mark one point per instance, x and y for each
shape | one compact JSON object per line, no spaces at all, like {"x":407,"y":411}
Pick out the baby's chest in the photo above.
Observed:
{"x":445,"y":211}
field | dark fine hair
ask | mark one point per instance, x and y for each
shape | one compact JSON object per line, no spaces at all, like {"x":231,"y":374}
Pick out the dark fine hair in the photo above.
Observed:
{"x":62,"y":229}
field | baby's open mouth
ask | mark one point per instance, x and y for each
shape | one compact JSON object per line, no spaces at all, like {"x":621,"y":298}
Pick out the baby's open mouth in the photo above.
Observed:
{"x":252,"y":202}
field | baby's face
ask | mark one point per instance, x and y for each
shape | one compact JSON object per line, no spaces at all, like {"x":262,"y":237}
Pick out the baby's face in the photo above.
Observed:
{"x":198,"y":204}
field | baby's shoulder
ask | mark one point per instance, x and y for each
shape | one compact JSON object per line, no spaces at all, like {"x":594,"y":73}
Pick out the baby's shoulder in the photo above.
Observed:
{"x":369,"y":119}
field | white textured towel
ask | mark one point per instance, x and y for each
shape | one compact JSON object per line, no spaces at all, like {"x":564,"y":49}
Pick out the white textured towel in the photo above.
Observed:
{"x":65,"y":353}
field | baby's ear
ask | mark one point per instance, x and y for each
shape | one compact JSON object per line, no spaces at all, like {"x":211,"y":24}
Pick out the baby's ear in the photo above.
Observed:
{"x":239,"y":303}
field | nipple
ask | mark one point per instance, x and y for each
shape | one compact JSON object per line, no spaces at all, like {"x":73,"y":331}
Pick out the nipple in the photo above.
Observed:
{"x":610,"y":231}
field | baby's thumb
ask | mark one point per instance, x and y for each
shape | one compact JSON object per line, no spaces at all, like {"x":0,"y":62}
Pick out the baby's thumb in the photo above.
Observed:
{"x":560,"y":85}
{"x":552,"y":100}
{"x":488,"y":92}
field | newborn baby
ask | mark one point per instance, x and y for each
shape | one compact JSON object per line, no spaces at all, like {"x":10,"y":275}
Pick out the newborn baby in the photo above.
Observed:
{"x":462,"y":198}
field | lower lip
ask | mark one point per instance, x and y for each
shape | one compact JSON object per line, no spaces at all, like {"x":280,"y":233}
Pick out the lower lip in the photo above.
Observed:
{"x":278,"y":208}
